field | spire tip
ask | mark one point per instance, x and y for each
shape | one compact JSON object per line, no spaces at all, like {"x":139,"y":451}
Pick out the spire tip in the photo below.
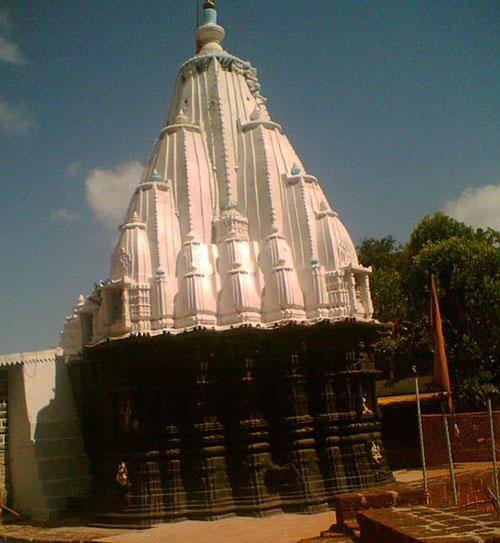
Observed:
{"x":209,"y":33}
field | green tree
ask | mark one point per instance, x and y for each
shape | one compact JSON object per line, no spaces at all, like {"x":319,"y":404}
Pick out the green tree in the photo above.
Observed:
{"x":384,"y":255}
{"x":467,"y":271}
{"x":389,"y":302}
{"x":466,"y":263}
{"x":379,"y":253}
{"x":436,"y":228}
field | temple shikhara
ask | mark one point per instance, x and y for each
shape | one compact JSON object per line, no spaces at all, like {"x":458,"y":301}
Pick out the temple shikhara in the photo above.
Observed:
{"x":226,"y":228}
{"x":224,"y":367}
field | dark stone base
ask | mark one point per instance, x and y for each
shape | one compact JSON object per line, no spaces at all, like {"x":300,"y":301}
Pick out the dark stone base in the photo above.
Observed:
{"x":213,"y":424}
{"x":252,"y":495}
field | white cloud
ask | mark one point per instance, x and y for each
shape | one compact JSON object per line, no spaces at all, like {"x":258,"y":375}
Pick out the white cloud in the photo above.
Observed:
{"x":14,"y":119}
{"x":9,"y":52}
{"x":73,"y":168}
{"x":109,"y":191}
{"x":478,"y":207}
{"x":61,"y":214}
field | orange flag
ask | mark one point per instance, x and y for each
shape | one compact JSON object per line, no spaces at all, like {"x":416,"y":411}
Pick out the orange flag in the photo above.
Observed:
{"x":441,"y":375}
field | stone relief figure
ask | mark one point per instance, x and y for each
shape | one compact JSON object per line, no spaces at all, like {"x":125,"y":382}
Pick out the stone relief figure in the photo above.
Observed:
{"x":346,"y":253}
{"x":122,"y":474}
{"x":376,"y":452}
{"x":365,"y":410}
{"x":124,"y":483}
{"x":126,"y":413}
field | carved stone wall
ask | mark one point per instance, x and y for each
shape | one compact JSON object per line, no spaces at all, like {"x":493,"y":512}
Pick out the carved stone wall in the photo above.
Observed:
{"x":244,"y":422}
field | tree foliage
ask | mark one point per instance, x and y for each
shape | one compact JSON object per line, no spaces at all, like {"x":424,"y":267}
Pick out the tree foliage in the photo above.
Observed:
{"x":466,"y":264}
{"x":379,"y":253}
{"x":384,"y":256}
{"x":436,"y":228}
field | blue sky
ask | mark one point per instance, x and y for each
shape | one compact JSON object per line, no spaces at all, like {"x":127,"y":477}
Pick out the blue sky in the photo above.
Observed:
{"x":393,"y":105}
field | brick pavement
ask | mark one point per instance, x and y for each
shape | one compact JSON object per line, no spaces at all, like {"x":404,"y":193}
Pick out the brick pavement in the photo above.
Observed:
{"x":424,"y":524}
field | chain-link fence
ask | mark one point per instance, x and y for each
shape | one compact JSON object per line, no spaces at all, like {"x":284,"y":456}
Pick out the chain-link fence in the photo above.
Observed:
{"x":461,"y":453}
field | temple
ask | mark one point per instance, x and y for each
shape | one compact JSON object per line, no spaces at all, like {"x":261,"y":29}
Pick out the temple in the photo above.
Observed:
{"x":224,"y":368}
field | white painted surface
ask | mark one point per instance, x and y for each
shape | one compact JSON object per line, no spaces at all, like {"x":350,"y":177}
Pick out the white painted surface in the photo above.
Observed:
{"x":226,"y":227}
{"x":47,"y":458}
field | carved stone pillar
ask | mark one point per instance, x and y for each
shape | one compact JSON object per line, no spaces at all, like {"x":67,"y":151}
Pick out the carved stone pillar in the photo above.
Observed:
{"x":303,"y":489}
{"x":366,"y":296}
{"x":329,"y":415}
{"x":361,"y":447}
{"x":170,"y":473}
{"x":204,"y":456}
{"x":249,"y":446}
{"x":351,"y":291}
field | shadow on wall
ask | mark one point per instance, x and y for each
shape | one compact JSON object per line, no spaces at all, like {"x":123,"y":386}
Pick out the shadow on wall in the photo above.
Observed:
{"x":48,"y":464}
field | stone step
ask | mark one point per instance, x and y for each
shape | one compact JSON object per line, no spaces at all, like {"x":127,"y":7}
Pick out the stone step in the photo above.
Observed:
{"x":56,"y":429}
{"x":52,"y":447}
{"x":347,"y":505}
{"x":75,"y":486}
{"x":328,"y":536}
{"x":62,"y":467}
{"x":337,"y":538}
{"x":351,"y":528}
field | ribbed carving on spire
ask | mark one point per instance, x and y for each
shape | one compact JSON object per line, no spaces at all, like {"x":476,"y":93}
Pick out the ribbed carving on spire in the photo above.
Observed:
{"x":226,"y":226}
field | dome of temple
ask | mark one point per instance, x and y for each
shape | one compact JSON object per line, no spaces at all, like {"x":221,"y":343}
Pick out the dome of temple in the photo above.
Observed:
{"x":226,"y":226}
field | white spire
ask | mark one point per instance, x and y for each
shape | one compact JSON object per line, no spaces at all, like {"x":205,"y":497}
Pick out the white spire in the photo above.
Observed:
{"x":227,"y":226}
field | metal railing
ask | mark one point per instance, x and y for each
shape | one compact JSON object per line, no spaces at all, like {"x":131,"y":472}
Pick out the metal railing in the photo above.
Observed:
{"x":463,"y":448}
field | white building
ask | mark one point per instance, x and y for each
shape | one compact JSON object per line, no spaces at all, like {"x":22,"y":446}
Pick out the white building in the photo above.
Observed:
{"x":42,"y":457}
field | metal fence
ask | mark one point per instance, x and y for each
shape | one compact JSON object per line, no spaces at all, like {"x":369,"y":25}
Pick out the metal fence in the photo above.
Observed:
{"x":461,"y":451}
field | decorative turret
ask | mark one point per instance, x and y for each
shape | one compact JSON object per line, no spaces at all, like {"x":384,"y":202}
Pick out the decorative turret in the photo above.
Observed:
{"x":226,"y":227}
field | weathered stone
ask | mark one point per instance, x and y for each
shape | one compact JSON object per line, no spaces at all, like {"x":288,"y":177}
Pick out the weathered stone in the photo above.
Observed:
{"x":211,"y":424}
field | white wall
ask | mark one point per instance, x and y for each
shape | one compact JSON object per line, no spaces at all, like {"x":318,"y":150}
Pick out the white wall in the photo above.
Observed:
{"x":47,"y":459}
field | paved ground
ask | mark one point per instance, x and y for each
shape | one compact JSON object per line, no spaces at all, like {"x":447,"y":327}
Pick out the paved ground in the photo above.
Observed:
{"x":423,"y":523}
{"x":12,"y":533}
{"x":283,"y":528}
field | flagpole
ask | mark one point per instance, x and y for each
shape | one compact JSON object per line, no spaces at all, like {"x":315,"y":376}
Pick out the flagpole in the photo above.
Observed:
{"x":449,"y":452}
{"x":421,"y":436}
{"x":441,"y":373}
{"x":493,"y":448}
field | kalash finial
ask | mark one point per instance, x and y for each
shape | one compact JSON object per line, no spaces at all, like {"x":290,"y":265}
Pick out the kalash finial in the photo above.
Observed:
{"x":209,"y":34}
